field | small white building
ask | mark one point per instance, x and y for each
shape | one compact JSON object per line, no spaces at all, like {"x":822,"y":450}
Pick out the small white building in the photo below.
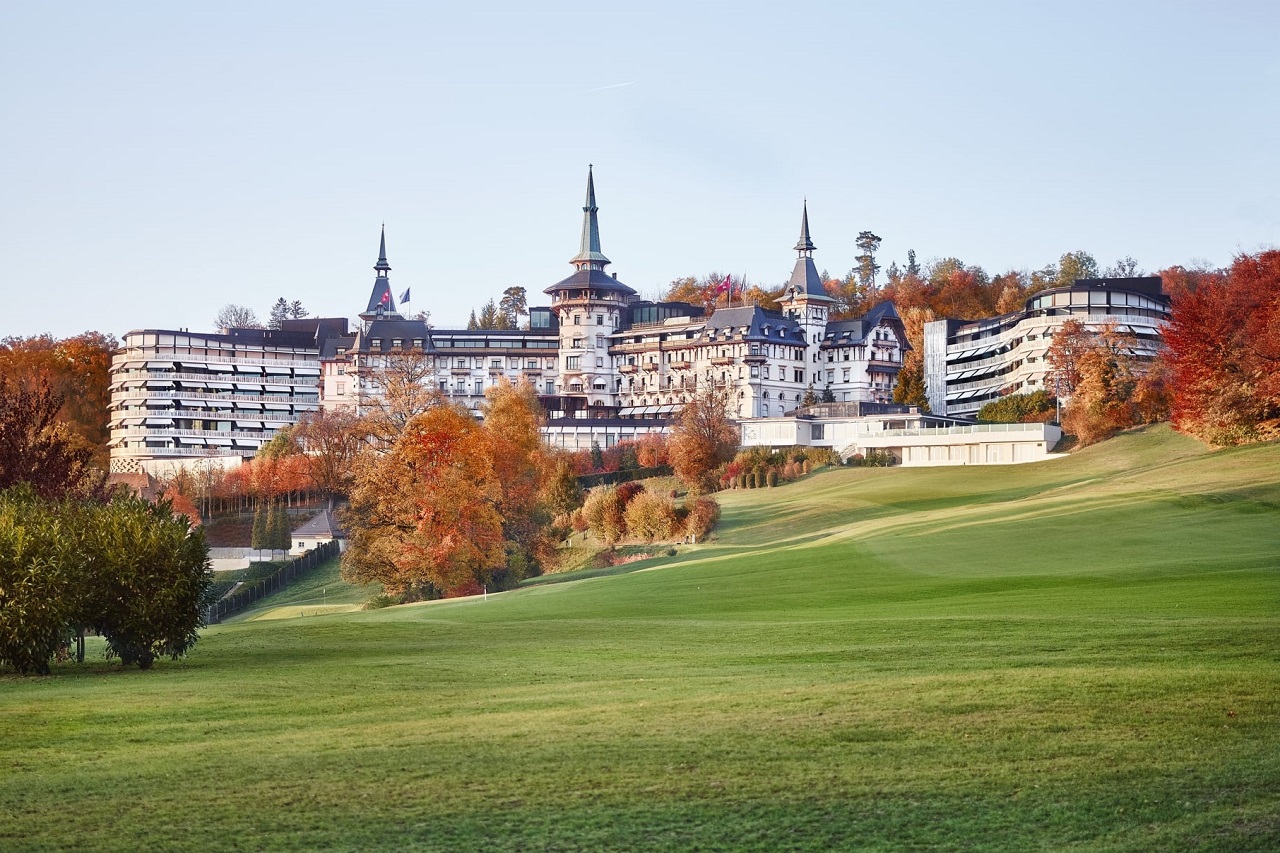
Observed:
{"x":319,"y":530}
{"x":909,"y":436}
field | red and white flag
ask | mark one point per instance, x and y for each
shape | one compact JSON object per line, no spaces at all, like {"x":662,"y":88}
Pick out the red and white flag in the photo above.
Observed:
{"x":726,"y":286}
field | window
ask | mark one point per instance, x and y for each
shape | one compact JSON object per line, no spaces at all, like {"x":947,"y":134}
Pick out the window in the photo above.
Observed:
{"x":479,"y":387}
{"x":799,"y":375}
{"x":341,"y":388}
{"x":599,"y":341}
{"x":578,"y":343}
{"x":599,"y":319}
{"x":551,"y":387}
{"x":397,"y":342}
{"x":599,"y":361}
{"x":573,"y":362}
{"x":577,"y":319}
{"x":846,"y":374}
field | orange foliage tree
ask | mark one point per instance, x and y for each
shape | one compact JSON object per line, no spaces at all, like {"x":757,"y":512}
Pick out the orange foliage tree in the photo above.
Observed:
{"x":75,"y":369}
{"x":452,"y":505}
{"x":1223,"y":342}
{"x":703,"y":438}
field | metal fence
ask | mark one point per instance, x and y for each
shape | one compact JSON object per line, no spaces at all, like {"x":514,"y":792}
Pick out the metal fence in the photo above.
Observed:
{"x":254,"y":591}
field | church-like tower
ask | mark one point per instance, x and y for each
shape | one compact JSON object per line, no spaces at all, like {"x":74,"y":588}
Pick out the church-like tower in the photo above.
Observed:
{"x":590,"y":306}
{"x":806,"y":300}
{"x":382,"y":304}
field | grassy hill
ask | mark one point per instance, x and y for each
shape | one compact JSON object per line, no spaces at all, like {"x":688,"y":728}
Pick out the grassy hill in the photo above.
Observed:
{"x":1078,"y":654}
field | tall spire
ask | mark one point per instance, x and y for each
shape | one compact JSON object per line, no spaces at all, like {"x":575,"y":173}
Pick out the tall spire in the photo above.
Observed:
{"x":805,"y":247}
{"x":589,"y":255}
{"x":382,"y":266}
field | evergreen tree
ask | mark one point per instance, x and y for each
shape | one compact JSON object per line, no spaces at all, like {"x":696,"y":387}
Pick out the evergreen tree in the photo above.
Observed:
{"x":296,"y":311}
{"x":489,"y":315}
{"x":828,"y":396}
{"x":597,"y":457}
{"x":810,"y":396}
{"x":282,"y":539}
{"x":472,"y":325}
{"x":279,"y":313}
{"x":258,"y":539}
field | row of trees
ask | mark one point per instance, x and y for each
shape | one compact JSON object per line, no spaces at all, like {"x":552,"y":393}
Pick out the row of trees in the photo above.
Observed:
{"x":629,"y":511}
{"x":505,"y":314}
{"x":233,"y":316}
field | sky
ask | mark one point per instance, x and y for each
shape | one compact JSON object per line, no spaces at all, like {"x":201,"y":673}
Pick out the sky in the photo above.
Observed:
{"x":160,"y":160}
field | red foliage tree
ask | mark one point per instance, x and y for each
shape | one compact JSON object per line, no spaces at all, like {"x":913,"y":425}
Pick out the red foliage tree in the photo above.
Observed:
{"x":1223,"y":342}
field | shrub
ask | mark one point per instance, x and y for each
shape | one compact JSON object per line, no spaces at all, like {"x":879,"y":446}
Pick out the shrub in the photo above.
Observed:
{"x":771,"y":479}
{"x":703,"y":515}
{"x":603,"y":511}
{"x":650,"y":517}
{"x":380,"y":601}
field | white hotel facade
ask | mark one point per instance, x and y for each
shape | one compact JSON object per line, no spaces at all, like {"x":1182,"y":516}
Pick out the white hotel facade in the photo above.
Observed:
{"x":607,"y":365}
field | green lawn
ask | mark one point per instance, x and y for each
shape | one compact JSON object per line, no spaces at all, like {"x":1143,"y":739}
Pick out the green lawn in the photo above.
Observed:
{"x":1081,"y":654}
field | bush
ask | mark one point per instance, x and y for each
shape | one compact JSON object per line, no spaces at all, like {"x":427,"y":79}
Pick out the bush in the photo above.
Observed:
{"x":703,"y":515}
{"x":380,"y":601}
{"x":771,"y":479}
{"x":604,"y":512}
{"x":650,"y":517}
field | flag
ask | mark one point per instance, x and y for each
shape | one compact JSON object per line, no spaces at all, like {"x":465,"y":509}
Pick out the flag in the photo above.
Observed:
{"x":404,"y":297}
{"x":726,"y":286}
{"x":386,"y":297}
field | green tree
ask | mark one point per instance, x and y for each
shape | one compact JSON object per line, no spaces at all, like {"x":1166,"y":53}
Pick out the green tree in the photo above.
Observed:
{"x":828,"y":396}
{"x":258,"y":540}
{"x":489,"y":316}
{"x":1076,"y":265}
{"x":279,"y":313}
{"x":810,"y":396}
{"x":564,"y":492}
{"x":910,"y":387}
{"x":1036,"y":407}
{"x":36,"y":571}
{"x":867,"y":267}
{"x":296,"y":311}
{"x":513,"y":305}
{"x":472,"y":322}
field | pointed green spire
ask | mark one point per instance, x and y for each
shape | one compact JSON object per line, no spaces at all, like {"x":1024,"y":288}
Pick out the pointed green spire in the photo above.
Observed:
{"x":589,"y":254}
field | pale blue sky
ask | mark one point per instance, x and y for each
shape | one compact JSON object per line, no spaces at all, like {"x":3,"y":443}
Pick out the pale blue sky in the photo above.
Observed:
{"x":158,"y":160}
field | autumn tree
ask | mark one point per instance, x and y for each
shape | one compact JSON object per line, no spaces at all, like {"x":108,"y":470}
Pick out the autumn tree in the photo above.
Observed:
{"x":1035,"y":407}
{"x":393,"y":392}
{"x":77,"y":369}
{"x":702,"y":438}
{"x":452,"y":505}
{"x":910,"y":388}
{"x":37,"y":450}
{"x":330,"y":439}
{"x":1223,"y":341}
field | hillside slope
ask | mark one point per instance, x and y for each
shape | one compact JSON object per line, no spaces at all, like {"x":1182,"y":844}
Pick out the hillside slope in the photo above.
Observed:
{"x":1079,"y":654}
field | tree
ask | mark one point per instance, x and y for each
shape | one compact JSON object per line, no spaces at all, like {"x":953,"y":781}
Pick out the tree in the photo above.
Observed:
{"x":489,"y":316}
{"x":702,"y":438}
{"x":145,"y":579}
{"x":472,"y":322}
{"x":36,"y":575}
{"x":513,"y":306}
{"x":810,"y":396}
{"x":867,"y":267}
{"x":563,"y":493}
{"x":1126,"y":267}
{"x":910,"y":388}
{"x":330,"y":440}
{"x":236,"y":317}
{"x":1223,"y":341}
{"x":279,"y":313}
{"x":828,"y":396}
{"x":296,"y":311}
{"x":394,"y":392}
{"x":1076,"y":265}
{"x":77,"y":369}
{"x":1036,"y":407}
{"x":37,"y":450}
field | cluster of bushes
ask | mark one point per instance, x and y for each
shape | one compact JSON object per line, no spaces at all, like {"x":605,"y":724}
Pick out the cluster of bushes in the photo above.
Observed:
{"x":761,"y":467}
{"x":650,"y":451}
{"x":1038,"y":407}
{"x":629,"y":511}
{"x":128,"y":569}
{"x":871,"y":459}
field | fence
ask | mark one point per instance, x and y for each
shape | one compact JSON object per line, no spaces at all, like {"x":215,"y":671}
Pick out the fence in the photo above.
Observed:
{"x":257,"y":590}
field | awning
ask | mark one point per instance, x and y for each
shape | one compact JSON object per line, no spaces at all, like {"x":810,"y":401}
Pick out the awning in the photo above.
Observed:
{"x":248,"y":368}
{"x":159,"y":422}
{"x":277,"y":389}
{"x":132,"y":422}
{"x":649,"y":410}
{"x":626,"y":410}
{"x":159,"y":383}
{"x":159,"y":404}
{"x":248,"y":424}
{"x":218,"y":404}
{"x":132,"y":365}
{"x":248,"y":442}
{"x":306,"y":371}
{"x":159,"y":365}
{"x":253,"y":407}
{"x":191,"y":402}
{"x":115,"y":442}
{"x":189,"y":385}
{"x":191,"y":442}
{"x":249,"y":386}
{"x":219,"y":442}
{"x":276,"y":424}
{"x":276,"y":407}
{"x":218,"y":367}
{"x":277,"y":370}
{"x":222,"y":386}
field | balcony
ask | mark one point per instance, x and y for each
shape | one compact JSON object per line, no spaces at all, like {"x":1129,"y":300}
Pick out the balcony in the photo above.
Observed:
{"x":460,"y":371}
{"x":681,"y":365}
{"x":628,"y":368}
{"x":722,"y":361}
{"x":649,"y":366}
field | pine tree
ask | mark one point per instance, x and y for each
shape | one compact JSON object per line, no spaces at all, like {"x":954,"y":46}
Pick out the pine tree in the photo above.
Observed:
{"x":489,"y":315}
{"x":279,"y":313}
{"x":810,"y":396}
{"x":472,"y":325}
{"x":283,"y":539}
{"x":828,"y":396}
{"x":258,"y":539}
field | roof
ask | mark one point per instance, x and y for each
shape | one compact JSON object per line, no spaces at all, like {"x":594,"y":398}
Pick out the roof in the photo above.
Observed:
{"x":854,"y":332}
{"x":758,"y":322}
{"x":323,"y":524}
{"x":590,"y":279}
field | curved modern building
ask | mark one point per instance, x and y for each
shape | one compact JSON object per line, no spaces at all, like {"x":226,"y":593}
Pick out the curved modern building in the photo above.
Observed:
{"x":969,"y":363}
